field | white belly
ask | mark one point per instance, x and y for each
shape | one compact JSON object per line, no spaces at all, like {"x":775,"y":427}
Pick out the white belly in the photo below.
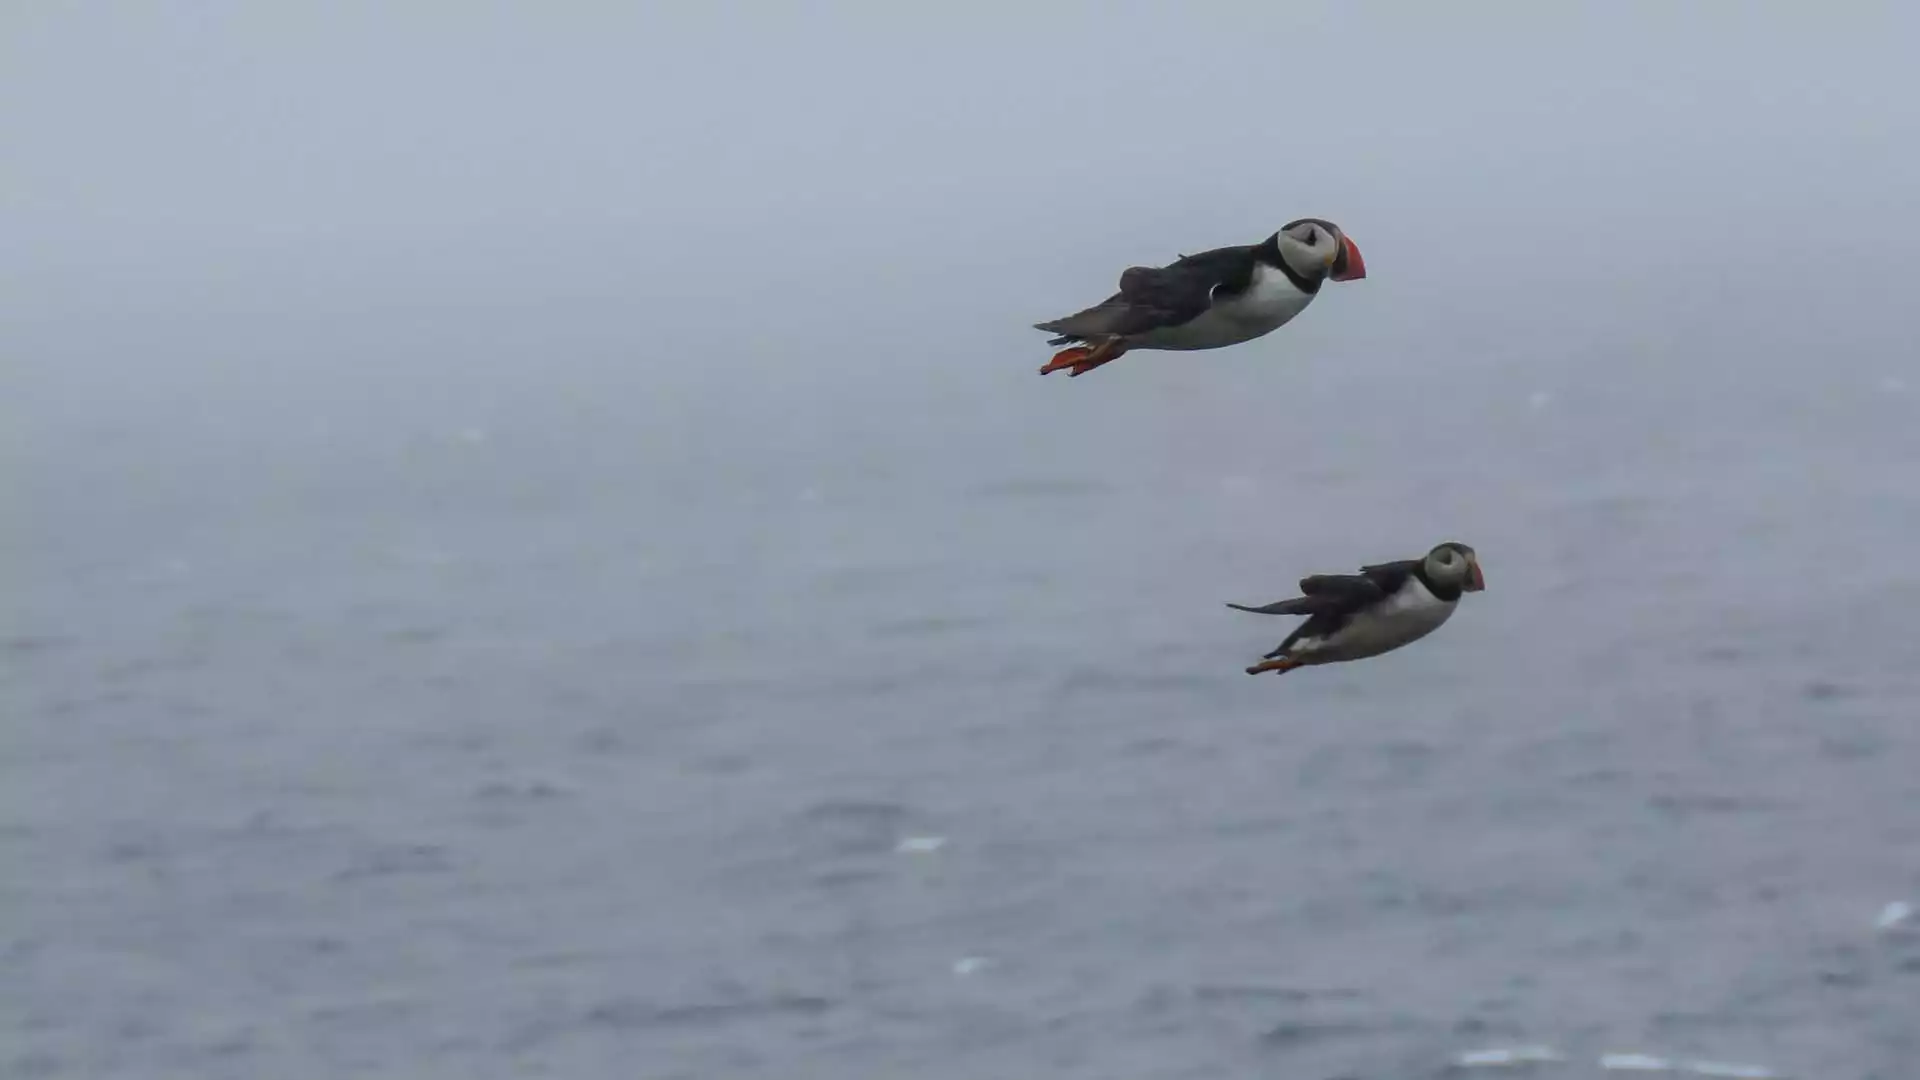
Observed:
{"x":1410,"y":615}
{"x":1266,"y":306}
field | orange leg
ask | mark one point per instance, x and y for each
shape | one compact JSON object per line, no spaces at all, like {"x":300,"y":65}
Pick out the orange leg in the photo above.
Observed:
{"x":1280,"y":666}
{"x":1082,"y":358}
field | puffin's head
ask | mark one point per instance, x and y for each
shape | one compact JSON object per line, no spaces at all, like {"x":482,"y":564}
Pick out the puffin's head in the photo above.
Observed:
{"x":1455,"y":564}
{"x":1317,"y":249}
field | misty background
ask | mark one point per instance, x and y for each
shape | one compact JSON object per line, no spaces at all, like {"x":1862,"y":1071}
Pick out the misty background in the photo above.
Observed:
{"x":532,"y":543}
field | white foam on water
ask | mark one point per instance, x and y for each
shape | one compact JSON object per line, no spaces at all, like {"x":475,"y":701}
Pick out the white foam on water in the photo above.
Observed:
{"x":1635,"y":1063}
{"x":1503,"y":1057}
{"x":968,"y":965}
{"x":920,"y":845}
{"x":1726,"y":1070}
{"x":1894,"y":916}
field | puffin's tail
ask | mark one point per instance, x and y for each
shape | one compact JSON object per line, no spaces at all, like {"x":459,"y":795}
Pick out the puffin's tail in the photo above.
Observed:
{"x":1299,"y":605}
{"x":1060,"y":327}
{"x":1108,"y":318}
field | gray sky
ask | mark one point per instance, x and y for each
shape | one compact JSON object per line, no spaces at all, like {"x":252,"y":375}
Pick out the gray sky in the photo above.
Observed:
{"x":741,"y":177}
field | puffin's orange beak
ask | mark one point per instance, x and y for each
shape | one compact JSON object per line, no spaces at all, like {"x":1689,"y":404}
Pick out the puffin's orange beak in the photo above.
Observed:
{"x":1479,"y":580}
{"x":1348,"y":265}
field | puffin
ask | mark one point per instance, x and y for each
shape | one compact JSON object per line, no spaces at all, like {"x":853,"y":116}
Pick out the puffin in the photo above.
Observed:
{"x":1217,"y":298}
{"x":1378,"y":610}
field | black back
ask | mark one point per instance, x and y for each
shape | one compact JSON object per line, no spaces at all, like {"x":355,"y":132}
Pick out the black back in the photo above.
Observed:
{"x":1156,"y":297}
{"x":1330,"y":600}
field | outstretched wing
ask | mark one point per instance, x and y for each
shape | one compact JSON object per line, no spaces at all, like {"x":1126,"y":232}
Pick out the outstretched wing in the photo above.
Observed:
{"x":1324,"y":594}
{"x":1329,"y":600}
{"x":1154,"y":297}
{"x":1343,"y":590}
{"x":1302,"y":605}
{"x":1389,"y":577}
{"x":1180,"y":291}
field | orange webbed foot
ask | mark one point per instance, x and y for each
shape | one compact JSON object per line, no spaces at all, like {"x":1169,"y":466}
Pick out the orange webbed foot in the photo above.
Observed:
{"x":1066,"y":358}
{"x":1082,"y":358}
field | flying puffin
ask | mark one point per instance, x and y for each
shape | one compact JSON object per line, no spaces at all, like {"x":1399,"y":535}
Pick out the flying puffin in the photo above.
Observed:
{"x":1210,"y":300}
{"x":1354,"y":616}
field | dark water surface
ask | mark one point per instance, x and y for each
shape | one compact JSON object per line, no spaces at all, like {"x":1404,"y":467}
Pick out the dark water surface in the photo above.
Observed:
{"x":444,"y":732}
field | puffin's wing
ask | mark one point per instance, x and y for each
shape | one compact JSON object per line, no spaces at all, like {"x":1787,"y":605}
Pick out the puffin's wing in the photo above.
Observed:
{"x":1389,"y":577}
{"x":1154,"y":297}
{"x":1299,"y":605}
{"x":1329,"y":600}
{"x":1344,"y":591}
{"x":1342,"y":596}
{"x":1189,"y":282}
{"x":1332,"y":596}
